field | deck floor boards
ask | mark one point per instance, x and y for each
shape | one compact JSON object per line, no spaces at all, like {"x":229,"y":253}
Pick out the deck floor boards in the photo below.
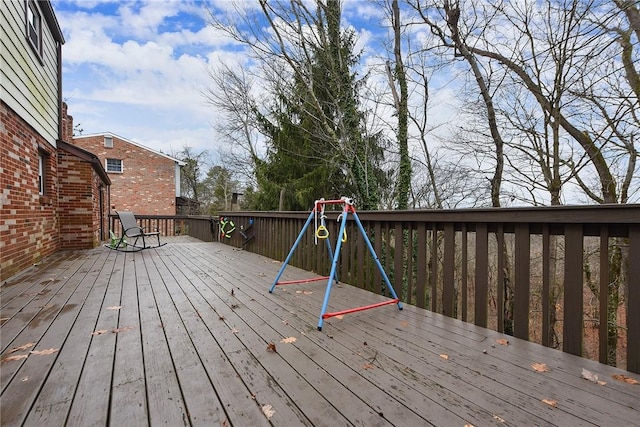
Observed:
{"x":181,"y":335}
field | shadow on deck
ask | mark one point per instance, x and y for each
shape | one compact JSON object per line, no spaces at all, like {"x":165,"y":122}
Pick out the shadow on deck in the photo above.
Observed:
{"x":187,"y":334}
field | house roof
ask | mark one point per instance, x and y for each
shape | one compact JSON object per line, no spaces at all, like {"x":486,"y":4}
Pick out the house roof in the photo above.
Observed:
{"x":87,"y":156}
{"x":113,"y":135}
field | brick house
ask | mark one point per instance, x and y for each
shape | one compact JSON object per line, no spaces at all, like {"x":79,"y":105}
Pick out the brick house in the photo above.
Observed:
{"x":40,"y":197}
{"x":144,"y":181}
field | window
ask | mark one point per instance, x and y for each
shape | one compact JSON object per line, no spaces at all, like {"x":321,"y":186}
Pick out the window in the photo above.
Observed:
{"x":42,"y":165}
{"x":34,"y":27}
{"x":114,"y":165}
{"x":108,"y":142}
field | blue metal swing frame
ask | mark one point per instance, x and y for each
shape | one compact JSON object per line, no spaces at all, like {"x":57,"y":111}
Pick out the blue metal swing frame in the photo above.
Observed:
{"x":348,"y":208}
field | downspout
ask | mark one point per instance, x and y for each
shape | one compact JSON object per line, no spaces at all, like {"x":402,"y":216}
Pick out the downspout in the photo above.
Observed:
{"x":60,"y":135}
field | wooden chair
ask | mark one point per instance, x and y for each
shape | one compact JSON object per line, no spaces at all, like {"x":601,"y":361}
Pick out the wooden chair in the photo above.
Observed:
{"x":131,"y":234}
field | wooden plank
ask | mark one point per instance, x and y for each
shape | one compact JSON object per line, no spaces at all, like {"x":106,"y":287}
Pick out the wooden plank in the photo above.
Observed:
{"x":633,"y":320}
{"x":500,"y":285}
{"x":573,"y":295}
{"x":433,"y":270}
{"x":464,"y":273}
{"x":603,"y":297}
{"x":448,"y":270}
{"x":55,"y":399}
{"x":522,"y":286}
{"x":25,"y":382}
{"x":202,"y":404}
{"x":546,"y":286}
{"x":128,"y":404}
{"x":481,"y":275}
{"x":422,"y":265}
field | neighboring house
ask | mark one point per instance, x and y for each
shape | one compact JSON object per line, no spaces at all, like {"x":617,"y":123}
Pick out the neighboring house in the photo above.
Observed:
{"x":144,"y":181}
{"x":43,"y":206}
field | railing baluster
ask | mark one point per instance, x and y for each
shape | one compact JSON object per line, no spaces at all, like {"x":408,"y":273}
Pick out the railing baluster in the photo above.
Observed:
{"x":573,"y":290}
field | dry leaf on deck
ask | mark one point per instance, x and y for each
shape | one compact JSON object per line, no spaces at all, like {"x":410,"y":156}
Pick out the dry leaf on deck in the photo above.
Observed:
{"x":123,"y":329}
{"x":99,"y":332}
{"x":14,"y":357}
{"x":289,"y":340}
{"x":307,"y":292}
{"x":271,"y":347}
{"x":588,"y":375}
{"x":445,"y":356}
{"x":625,"y":379}
{"x":499,"y":418}
{"x":550,"y":402}
{"x":469,"y":425}
{"x":339,"y":316}
{"x":404,"y":323}
{"x":368,"y":366}
{"x":24,"y":379}
{"x":234,"y":331}
{"x":47,"y":351}
{"x":502,"y":341}
{"x":22,"y":347}
{"x":114,"y":307}
{"x":540,"y":367}
{"x":268,"y":411}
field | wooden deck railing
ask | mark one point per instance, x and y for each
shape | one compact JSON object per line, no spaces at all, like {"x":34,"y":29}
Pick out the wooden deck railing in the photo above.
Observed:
{"x":535,"y":273}
{"x":201,"y":227}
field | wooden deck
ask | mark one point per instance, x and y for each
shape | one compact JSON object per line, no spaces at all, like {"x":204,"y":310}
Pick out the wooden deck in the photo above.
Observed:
{"x":181,"y":335}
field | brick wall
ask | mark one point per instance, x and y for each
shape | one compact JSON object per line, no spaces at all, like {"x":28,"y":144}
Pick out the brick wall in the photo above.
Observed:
{"x":28,"y":221}
{"x":147,"y":184}
{"x":79,"y":202}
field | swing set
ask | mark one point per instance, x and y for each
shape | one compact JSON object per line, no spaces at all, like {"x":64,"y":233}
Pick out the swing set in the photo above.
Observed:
{"x":321,"y":233}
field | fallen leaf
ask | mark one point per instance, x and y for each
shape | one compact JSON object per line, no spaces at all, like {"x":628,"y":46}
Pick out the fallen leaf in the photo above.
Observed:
{"x":44,"y":352}
{"x":271,"y":347}
{"x":24,"y":379}
{"x":625,"y":379}
{"x":234,"y":331}
{"x":499,"y":418}
{"x":289,"y":340}
{"x":298,"y":292}
{"x":404,"y":323}
{"x":22,"y":347}
{"x":588,"y":375}
{"x":114,"y":307}
{"x":14,"y":357}
{"x":550,"y":402}
{"x":368,"y":366}
{"x":340,"y":316}
{"x":502,"y":341}
{"x":540,"y":367}
{"x":220,"y":317}
{"x":307,"y":292}
{"x":123,"y":329}
{"x":268,"y":411}
{"x":469,"y":425}
{"x":445,"y":356}
{"x":285,"y":321}
{"x":99,"y":332}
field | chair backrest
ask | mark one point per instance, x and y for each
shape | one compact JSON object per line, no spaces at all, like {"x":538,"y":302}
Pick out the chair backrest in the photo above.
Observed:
{"x":130,"y":226}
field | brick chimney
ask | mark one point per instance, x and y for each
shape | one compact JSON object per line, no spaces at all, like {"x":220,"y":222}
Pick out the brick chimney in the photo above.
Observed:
{"x":67,"y":125}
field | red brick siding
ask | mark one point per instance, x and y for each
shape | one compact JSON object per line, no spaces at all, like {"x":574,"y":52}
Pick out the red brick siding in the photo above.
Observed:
{"x":147,"y":185}
{"x":79,"y":203}
{"x":28,"y":221}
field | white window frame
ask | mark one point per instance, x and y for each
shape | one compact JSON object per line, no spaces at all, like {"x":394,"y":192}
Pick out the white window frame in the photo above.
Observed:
{"x":109,"y":170}
{"x":33,"y":29}
{"x":41,"y":174}
{"x":108,"y":141}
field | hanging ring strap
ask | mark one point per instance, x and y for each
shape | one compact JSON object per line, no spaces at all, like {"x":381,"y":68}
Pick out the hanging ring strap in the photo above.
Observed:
{"x":322,"y":232}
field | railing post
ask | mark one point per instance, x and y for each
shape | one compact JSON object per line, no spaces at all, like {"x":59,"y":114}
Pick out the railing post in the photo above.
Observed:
{"x":573,"y":290}
{"x":633,"y":301}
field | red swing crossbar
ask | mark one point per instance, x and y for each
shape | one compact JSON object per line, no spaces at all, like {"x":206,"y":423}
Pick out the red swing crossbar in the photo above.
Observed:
{"x":364,"y":307}
{"x":293,"y":282}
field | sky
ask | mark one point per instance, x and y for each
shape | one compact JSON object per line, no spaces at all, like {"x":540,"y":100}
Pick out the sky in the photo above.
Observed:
{"x":137,"y":69}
